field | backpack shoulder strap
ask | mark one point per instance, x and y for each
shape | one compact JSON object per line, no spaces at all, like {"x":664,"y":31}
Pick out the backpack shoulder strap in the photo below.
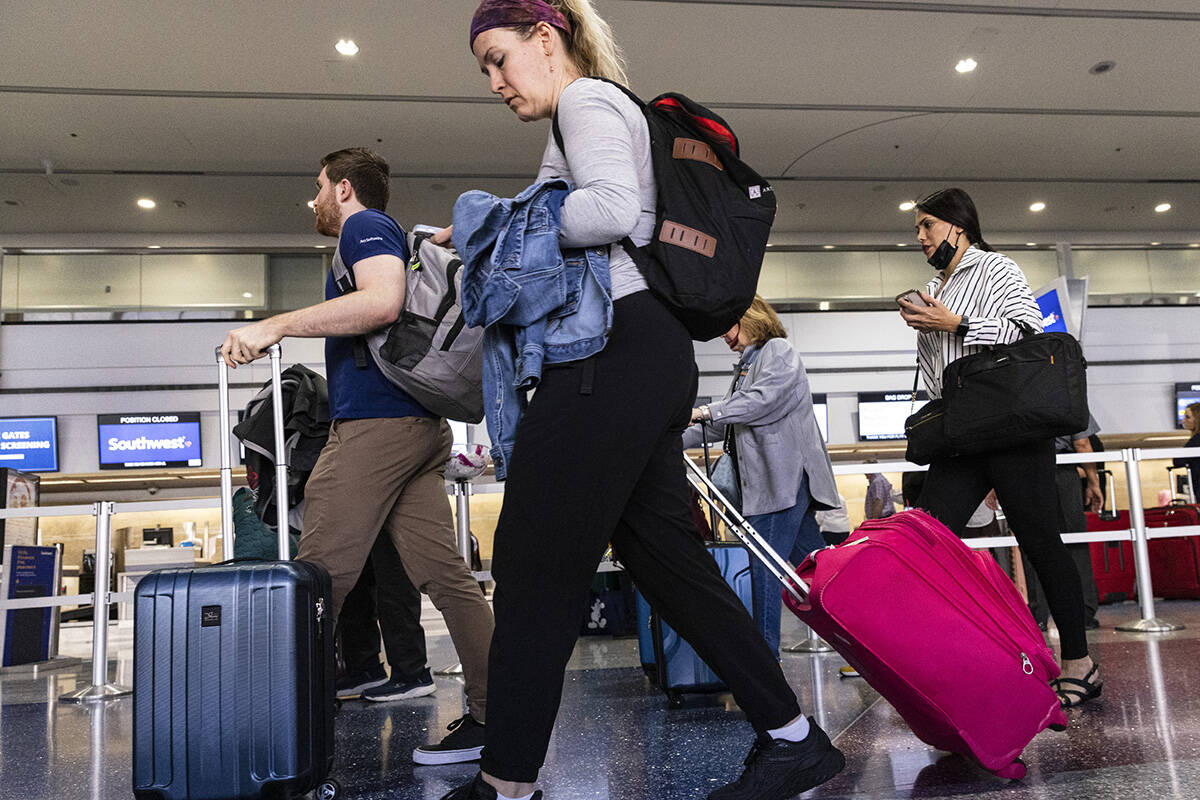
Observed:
{"x":557,"y":131}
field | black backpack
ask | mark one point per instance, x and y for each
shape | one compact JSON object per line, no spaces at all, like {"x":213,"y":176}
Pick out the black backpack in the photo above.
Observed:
{"x":713,"y":219}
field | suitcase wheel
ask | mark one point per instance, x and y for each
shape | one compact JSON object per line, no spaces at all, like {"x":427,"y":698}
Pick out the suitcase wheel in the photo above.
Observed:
{"x":328,"y":790}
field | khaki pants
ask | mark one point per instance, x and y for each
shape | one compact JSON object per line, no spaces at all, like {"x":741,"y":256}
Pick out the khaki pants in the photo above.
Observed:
{"x":389,"y":474}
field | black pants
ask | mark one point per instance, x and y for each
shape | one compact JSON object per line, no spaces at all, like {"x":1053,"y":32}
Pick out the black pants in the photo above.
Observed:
{"x":384,"y":599}
{"x":598,"y":458}
{"x":1070,"y":519}
{"x":1023,"y":478}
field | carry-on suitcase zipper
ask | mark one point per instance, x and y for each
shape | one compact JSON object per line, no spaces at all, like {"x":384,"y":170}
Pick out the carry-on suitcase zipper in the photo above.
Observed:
{"x":1004,"y":642}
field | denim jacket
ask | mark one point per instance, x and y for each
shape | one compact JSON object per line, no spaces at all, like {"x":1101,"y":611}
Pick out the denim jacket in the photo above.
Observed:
{"x":537,"y":303}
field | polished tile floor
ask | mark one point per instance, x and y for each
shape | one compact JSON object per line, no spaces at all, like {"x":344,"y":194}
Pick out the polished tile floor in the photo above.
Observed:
{"x":617,"y":740}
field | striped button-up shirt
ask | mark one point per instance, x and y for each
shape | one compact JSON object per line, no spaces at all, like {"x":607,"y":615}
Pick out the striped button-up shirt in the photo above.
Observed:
{"x":992,"y":292}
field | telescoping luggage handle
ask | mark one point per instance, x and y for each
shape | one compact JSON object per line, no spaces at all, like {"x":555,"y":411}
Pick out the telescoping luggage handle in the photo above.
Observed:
{"x":745,"y":533}
{"x":281,"y":467}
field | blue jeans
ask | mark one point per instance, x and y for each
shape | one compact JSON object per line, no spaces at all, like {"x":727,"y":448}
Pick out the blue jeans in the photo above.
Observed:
{"x":793,"y":533}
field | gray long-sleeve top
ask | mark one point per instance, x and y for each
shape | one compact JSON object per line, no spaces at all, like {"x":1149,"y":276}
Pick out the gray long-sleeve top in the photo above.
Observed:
{"x":607,"y":158}
{"x":775,"y":429}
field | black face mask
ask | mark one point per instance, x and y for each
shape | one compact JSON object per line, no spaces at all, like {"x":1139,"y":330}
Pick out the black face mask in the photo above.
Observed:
{"x":944,"y":253}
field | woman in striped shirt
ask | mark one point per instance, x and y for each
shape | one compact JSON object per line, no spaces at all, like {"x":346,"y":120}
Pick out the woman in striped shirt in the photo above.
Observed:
{"x":978,"y":298}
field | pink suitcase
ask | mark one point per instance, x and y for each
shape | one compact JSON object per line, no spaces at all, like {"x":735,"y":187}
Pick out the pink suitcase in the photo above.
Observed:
{"x":936,"y":628}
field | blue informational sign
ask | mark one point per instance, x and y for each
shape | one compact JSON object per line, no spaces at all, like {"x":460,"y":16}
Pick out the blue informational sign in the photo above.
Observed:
{"x":31,"y":572}
{"x":1052,"y":312}
{"x":129,"y":441}
{"x":29,"y":444}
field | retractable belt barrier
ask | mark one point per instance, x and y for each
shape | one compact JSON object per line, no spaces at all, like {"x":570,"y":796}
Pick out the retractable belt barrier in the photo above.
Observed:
{"x":103,"y":598}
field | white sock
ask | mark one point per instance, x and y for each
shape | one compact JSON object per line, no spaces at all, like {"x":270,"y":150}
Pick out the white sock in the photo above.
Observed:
{"x":792,"y":732}
{"x":506,"y":797}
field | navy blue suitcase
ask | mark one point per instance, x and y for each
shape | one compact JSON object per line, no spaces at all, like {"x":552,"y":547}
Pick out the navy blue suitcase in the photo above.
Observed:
{"x":666,"y":657}
{"x":233,"y":690}
{"x":233,"y":685}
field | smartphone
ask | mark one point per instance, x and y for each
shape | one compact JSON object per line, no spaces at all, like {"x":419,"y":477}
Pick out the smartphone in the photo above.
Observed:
{"x":912,"y":296}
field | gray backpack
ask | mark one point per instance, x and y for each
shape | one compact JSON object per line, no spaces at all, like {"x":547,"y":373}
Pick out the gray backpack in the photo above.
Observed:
{"x":429,"y":351}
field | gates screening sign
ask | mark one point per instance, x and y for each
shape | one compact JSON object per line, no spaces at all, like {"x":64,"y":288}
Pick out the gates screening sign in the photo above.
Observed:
{"x":29,"y":444}
{"x":130,"y":441}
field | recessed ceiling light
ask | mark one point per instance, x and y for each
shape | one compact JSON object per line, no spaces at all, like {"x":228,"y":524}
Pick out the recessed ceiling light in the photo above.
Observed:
{"x":146,"y":203}
{"x":1031,"y":244}
{"x":1038,"y":206}
{"x":247,"y":295}
{"x":966,"y":65}
{"x":154,"y":247}
{"x":901,"y":244}
{"x":827,"y":246}
{"x":1155,"y":244}
{"x":320,"y":246}
{"x":907,"y":205}
{"x":1194,"y":244}
{"x":823,"y":305}
{"x":346,"y":47}
{"x":312,"y":204}
{"x":1162,"y":208}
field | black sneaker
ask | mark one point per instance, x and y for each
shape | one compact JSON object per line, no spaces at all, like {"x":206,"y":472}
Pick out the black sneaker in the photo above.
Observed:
{"x":353,"y":685}
{"x":478,"y":789}
{"x":778,"y":769}
{"x":464,"y":742}
{"x":401,"y":689}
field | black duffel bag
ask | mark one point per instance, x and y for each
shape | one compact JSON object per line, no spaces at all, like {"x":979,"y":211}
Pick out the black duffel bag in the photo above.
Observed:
{"x":1005,"y":396}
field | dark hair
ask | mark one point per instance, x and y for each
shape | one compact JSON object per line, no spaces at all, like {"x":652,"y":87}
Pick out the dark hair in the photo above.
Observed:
{"x":956,"y":207}
{"x":366,"y":170}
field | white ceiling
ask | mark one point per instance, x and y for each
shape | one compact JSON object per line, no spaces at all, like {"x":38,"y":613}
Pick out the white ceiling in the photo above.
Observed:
{"x":848,"y":106}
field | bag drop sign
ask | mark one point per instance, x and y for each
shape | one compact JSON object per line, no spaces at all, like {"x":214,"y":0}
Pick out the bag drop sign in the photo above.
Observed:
{"x":130,"y":441}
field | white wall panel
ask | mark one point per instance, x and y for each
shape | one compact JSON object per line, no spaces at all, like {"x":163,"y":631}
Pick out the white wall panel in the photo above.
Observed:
{"x":78,"y":281}
{"x":1113,"y":271}
{"x":1175,"y":270}
{"x":174,"y":280}
{"x":845,"y":352}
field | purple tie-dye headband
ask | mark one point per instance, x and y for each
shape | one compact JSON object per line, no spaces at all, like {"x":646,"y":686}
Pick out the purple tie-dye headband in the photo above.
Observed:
{"x":509,"y":13}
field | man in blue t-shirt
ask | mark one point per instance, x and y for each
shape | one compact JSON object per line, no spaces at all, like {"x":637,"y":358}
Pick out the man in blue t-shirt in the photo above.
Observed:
{"x":383,"y":467}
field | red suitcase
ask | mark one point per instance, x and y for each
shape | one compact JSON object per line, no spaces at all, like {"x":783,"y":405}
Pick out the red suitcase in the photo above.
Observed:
{"x":1175,"y":563}
{"x":1112,"y":562}
{"x":934,"y":627}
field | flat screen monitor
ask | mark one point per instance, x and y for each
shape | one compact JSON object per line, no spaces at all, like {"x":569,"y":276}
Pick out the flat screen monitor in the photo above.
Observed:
{"x":1185,"y":395}
{"x":133,"y":441}
{"x":163,"y":536}
{"x":29,"y":444}
{"x":881,"y":415}
{"x":821,"y":410}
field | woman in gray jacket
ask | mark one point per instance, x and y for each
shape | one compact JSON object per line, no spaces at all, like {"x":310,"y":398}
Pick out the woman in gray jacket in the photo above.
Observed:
{"x":782,"y":466}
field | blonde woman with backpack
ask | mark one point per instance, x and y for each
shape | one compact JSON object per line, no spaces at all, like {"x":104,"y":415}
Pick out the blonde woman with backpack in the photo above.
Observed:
{"x":597,"y":452}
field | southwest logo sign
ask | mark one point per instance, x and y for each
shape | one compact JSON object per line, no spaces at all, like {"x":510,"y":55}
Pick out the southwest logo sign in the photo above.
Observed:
{"x":149,"y":440}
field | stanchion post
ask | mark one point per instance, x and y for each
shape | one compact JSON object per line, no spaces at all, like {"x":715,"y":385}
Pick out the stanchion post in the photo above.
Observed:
{"x":809,"y":644}
{"x":226,"y":461}
{"x":462,"y":529}
{"x":100,"y":688}
{"x":281,"y":465}
{"x":462,"y":519}
{"x":1141,"y":552}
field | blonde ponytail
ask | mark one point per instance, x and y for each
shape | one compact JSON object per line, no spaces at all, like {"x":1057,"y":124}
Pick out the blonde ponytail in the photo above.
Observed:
{"x":592,"y":46}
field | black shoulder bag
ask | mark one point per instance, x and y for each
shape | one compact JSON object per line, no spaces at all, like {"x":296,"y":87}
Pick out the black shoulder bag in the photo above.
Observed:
{"x":1002,"y":397}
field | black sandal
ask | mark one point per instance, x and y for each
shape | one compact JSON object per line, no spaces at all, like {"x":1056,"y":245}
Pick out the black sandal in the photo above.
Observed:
{"x":1073,"y":692}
